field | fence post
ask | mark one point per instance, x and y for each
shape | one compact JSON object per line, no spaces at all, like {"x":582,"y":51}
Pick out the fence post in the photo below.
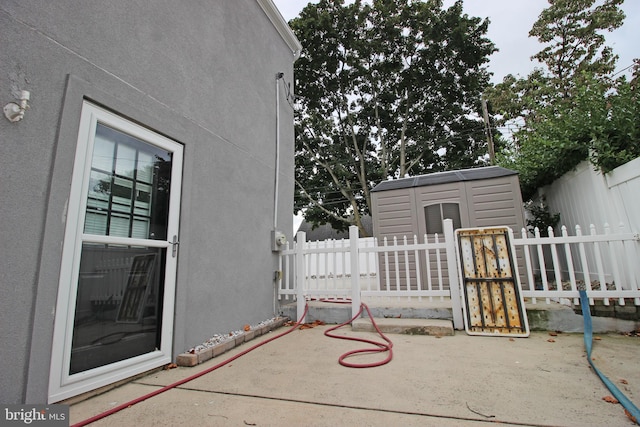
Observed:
{"x":452,"y":268}
{"x":355,"y":270}
{"x":301,"y":242}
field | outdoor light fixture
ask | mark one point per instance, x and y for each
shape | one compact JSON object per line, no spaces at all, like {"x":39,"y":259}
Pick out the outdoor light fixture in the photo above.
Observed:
{"x":15,"y":112}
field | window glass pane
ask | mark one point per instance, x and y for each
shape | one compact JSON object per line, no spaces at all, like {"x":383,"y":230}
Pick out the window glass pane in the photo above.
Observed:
{"x":96,"y":223}
{"x":118,"y":305}
{"x":452,"y":211}
{"x":99,"y":186}
{"x":121,"y":189}
{"x":145,"y":167}
{"x":433,"y":218}
{"x":126,"y":160}
{"x":143,"y":197}
{"x":129,"y":187}
{"x":103,"y":153}
{"x":435,"y":214}
{"x":119,"y":225}
{"x":140,"y":228}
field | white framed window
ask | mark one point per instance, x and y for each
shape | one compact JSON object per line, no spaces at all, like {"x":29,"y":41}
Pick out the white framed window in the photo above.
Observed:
{"x":435,"y":214}
{"x":114,"y":314}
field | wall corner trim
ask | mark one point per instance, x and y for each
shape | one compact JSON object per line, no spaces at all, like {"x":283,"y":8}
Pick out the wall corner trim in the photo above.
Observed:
{"x":281,"y":25}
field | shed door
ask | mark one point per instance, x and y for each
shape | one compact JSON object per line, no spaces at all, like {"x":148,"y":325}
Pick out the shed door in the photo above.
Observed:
{"x":115,"y":302}
{"x":434,"y":204}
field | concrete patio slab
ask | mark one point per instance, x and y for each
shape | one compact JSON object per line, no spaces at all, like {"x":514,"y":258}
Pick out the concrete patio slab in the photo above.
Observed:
{"x":457,"y":380}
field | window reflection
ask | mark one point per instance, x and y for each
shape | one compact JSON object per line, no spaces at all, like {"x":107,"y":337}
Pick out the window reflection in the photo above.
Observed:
{"x":128,"y":187}
{"x":118,"y":305}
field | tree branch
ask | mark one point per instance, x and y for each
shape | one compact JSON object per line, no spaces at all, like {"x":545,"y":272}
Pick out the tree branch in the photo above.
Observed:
{"x":319,"y":205}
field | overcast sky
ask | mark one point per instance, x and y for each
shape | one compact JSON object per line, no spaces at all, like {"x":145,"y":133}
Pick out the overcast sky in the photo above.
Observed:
{"x":511,"y":21}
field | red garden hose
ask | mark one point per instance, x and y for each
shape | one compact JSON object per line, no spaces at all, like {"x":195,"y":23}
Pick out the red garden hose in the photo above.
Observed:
{"x":379,"y":346}
{"x":185,"y":380}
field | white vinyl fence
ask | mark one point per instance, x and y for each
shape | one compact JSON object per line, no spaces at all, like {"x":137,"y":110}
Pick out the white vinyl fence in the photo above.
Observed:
{"x":328,"y":266}
{"x":605,"y":265}
{"x":395,"y":269}
{"x":585,"y":196}
{"x":552,"y":268}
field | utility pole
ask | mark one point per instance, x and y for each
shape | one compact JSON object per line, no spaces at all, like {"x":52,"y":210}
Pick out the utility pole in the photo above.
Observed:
{"x":487,"y":129}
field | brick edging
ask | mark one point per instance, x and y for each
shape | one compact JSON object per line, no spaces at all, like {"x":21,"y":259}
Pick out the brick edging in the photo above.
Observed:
{"x":193,"y":359}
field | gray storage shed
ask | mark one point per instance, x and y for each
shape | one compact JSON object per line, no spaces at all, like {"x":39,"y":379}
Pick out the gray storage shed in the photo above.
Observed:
{"x":480,"y":197}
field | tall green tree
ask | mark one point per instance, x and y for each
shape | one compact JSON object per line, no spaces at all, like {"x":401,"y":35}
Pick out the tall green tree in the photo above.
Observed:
{"x":602,"y":125}
{"x":571,"y":106}
{"x":571,"y":32}
{"x":387,"y":88}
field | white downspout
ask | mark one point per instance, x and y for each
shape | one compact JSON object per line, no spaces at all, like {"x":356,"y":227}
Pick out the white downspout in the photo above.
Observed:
{"x":277,"y":173}
{"x":276,"y":182}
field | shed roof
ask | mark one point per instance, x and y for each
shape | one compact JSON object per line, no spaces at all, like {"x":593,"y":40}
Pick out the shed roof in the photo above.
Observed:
{"x":436,"y":178}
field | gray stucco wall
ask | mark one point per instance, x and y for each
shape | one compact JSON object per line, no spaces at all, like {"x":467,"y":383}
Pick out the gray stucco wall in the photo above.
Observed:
{"x":201,"y":73}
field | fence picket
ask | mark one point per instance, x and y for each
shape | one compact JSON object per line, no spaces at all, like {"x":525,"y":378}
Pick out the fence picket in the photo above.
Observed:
{"x":386,"y":265}
{"x":396,"y":263}
{"x":631,"y":251}
{"x":417,"y":263}
{"x":598,"y":258}
{"x":439,"y":263}
{"x":572,"y":274}
{"x":585,"y":266}
{"x":427,"y":259}
{"x":300,"y":274}
{"x":527,"y":259}
{"x":354,"y":270}
{"x":406,"y":266}
{"x":617,"y":279}
{"x":542,"y":264}
{"x":556,"y":263}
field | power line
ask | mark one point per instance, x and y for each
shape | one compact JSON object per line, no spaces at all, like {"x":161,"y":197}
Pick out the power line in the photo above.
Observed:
{"x":623,"y":70}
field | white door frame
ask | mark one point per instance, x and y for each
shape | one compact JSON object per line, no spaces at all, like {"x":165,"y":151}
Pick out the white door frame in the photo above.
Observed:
{"x":61,"y":384}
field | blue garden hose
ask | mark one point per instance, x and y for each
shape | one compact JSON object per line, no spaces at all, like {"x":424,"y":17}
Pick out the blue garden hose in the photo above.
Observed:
{"x":588,"y":343}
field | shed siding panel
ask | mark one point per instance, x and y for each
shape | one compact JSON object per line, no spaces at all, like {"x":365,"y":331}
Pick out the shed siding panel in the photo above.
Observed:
{"x":492,"y":204}
{"x":394,"y":222}
{"x":394,"y":213}
{"x":492,"y":187}
{"x":496,"y":202}
{"x":394,"y":200}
